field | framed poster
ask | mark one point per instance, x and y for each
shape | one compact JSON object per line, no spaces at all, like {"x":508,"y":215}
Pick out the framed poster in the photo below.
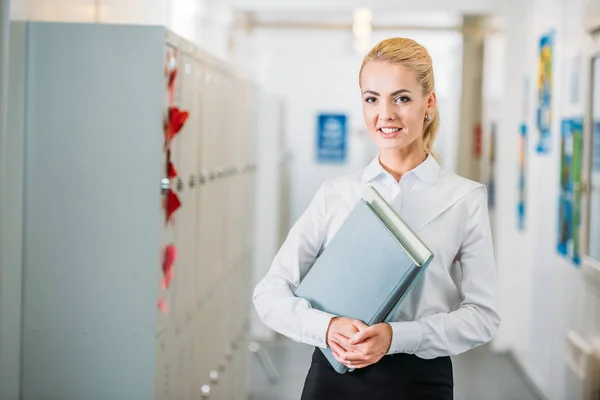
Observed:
{"x":544,"y":97}
{"x":492,"y":175}
{"x":522,"y":192}
{"x":569,"y":211}
{"x":332,"y":135}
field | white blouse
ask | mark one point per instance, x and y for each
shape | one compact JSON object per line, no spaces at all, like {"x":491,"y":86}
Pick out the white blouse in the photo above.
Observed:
{"x":454,"y":305}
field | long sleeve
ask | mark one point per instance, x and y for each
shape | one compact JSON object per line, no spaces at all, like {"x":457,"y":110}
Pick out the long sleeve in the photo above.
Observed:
{"x":273,"y":297}
{"x":476,"y":320}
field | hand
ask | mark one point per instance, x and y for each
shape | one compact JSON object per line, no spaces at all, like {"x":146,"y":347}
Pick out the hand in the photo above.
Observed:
{"x":365,"y":348}
{"x":345,"y":327}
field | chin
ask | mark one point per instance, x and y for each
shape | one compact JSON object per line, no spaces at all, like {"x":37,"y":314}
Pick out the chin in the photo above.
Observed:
{"x":391,"y":144}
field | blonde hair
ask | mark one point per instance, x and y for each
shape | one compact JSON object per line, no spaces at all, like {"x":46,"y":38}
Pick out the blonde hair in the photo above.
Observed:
{"x":412,"y":55}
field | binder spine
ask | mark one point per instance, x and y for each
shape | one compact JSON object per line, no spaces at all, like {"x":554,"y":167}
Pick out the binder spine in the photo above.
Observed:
{"x":419,"y":271}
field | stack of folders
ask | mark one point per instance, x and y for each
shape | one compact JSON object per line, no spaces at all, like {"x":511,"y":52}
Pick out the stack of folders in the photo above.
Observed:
{"x":368,"y":267}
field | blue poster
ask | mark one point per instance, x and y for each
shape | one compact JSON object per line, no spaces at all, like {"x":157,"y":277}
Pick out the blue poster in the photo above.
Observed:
{"x":544,"y":86}
{"x":332,"y":138}
{"x":522,"y":200}
{"x":596,"y":147}
{"x":492,"y":176}
{"x":569,"y":203}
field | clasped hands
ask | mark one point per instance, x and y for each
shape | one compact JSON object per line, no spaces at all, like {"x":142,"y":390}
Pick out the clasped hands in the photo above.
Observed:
{"x":357,"y":345}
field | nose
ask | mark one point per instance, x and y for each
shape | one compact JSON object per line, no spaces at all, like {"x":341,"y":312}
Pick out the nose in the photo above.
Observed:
{"x":386,"y":113}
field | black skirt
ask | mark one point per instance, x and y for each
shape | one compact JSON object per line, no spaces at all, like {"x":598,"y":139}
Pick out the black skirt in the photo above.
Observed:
{"x":394,"y":377}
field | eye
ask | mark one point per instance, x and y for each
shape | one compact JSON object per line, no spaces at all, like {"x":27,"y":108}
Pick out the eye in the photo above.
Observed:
{"x":370,"y":100}
{"x":402,"y":99}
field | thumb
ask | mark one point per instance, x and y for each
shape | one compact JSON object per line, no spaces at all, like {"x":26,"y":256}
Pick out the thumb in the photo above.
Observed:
{"x":358,"y":324}
{"x":362,"y":335}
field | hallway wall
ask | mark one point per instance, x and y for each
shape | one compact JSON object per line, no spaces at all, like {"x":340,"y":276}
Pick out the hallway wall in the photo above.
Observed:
{"x":542,"y":291}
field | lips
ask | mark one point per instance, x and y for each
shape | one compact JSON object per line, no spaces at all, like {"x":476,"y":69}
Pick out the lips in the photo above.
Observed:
{"x":389,"y":133}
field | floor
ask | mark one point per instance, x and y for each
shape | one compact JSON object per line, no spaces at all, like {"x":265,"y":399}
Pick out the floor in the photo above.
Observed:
{"x":479,"y":375}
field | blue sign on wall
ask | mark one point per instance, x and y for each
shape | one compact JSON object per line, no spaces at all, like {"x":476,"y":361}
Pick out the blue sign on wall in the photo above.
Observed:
{"x":332,"y":134}
{"x":596,"y":147}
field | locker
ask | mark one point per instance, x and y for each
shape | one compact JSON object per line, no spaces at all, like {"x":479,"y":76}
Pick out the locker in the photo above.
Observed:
{"x":95,"y":261}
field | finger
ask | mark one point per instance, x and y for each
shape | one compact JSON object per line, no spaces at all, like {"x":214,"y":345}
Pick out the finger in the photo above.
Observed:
{"x":337,"y":348}
{"x":340,"y":336}
{"x":361,"y":326}
{"x":362,"y":336}
{"x":354,"y":357}
{"x":341,"y":340}
{"x":345,"y":344}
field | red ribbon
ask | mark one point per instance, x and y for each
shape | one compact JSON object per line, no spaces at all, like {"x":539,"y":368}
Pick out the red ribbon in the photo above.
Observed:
{"x":171,"y":171}
{"x":171,"y":203}
{"x":170,"y":256}
{"x":171,"y":85}
{"x":162,"y":305}
{"x":175,"y":121}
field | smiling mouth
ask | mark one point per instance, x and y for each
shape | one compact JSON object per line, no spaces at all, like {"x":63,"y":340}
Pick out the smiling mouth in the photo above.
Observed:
{"x":389,"y":132}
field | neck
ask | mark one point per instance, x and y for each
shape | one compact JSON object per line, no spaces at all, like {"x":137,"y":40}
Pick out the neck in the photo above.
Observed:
{"x":399,"y":161}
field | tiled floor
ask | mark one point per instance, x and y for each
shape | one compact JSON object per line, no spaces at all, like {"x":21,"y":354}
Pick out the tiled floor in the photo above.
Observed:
{"x":479,"y":375}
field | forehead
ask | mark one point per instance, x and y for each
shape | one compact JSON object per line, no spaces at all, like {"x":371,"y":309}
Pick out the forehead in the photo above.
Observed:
{"x":386,"y":77}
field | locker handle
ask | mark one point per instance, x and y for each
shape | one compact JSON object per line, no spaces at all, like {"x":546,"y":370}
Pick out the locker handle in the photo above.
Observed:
{"x":165,"y":183}
{"x":214,"y":376}
{"x":205,"y":391}
{"x":192,"y":181}
{"x":221,"y":172}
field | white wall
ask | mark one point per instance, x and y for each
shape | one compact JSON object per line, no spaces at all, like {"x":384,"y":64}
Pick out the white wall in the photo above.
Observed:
{"x":541,"y":291}
{"x":319,"y":73}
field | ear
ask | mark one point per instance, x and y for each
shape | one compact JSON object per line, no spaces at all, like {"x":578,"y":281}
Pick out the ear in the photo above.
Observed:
{"x":431,"y":103}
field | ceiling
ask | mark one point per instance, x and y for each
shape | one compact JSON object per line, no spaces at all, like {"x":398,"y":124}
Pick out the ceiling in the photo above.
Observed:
{"x":386,"y":13}
{"x":347,"y":6}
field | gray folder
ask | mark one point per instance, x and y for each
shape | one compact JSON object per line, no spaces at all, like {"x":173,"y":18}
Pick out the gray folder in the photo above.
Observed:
{"x":368,"y":267}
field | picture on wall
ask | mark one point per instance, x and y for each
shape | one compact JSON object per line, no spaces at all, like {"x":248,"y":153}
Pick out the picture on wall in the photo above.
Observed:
{"x":544,"y":98}
{"x":522,"y":192}
{"x":492,"y":176}
{"x":332,"y":136}
{"x":569,"y":212}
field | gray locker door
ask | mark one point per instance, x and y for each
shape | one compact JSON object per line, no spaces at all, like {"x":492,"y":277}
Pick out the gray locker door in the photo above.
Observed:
{"x":92,"y":202}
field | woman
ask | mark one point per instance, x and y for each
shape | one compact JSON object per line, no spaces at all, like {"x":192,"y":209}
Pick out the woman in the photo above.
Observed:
{"x":453,"y":306}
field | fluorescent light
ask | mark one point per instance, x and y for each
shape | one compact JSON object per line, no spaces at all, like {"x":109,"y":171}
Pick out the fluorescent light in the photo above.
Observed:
{"x":361,"y":28}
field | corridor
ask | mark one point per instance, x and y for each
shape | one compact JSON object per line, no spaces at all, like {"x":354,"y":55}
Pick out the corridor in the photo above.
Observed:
{"x":196,"y":193}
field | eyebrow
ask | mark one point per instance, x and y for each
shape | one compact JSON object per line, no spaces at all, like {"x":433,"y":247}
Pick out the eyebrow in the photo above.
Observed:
{"x":397,"y":92}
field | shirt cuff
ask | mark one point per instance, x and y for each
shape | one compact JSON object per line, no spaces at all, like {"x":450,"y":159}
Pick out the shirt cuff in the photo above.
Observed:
{"x":406,"y":337}
{"x":314,"y":331}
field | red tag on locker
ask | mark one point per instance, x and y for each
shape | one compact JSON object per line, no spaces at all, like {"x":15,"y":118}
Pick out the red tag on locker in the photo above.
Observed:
{"x":176,"y":120}
{"x":162,"y":305}
{"x":169,"y":258}
{"x":172,"y":204}
{"x":171,"y":171}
